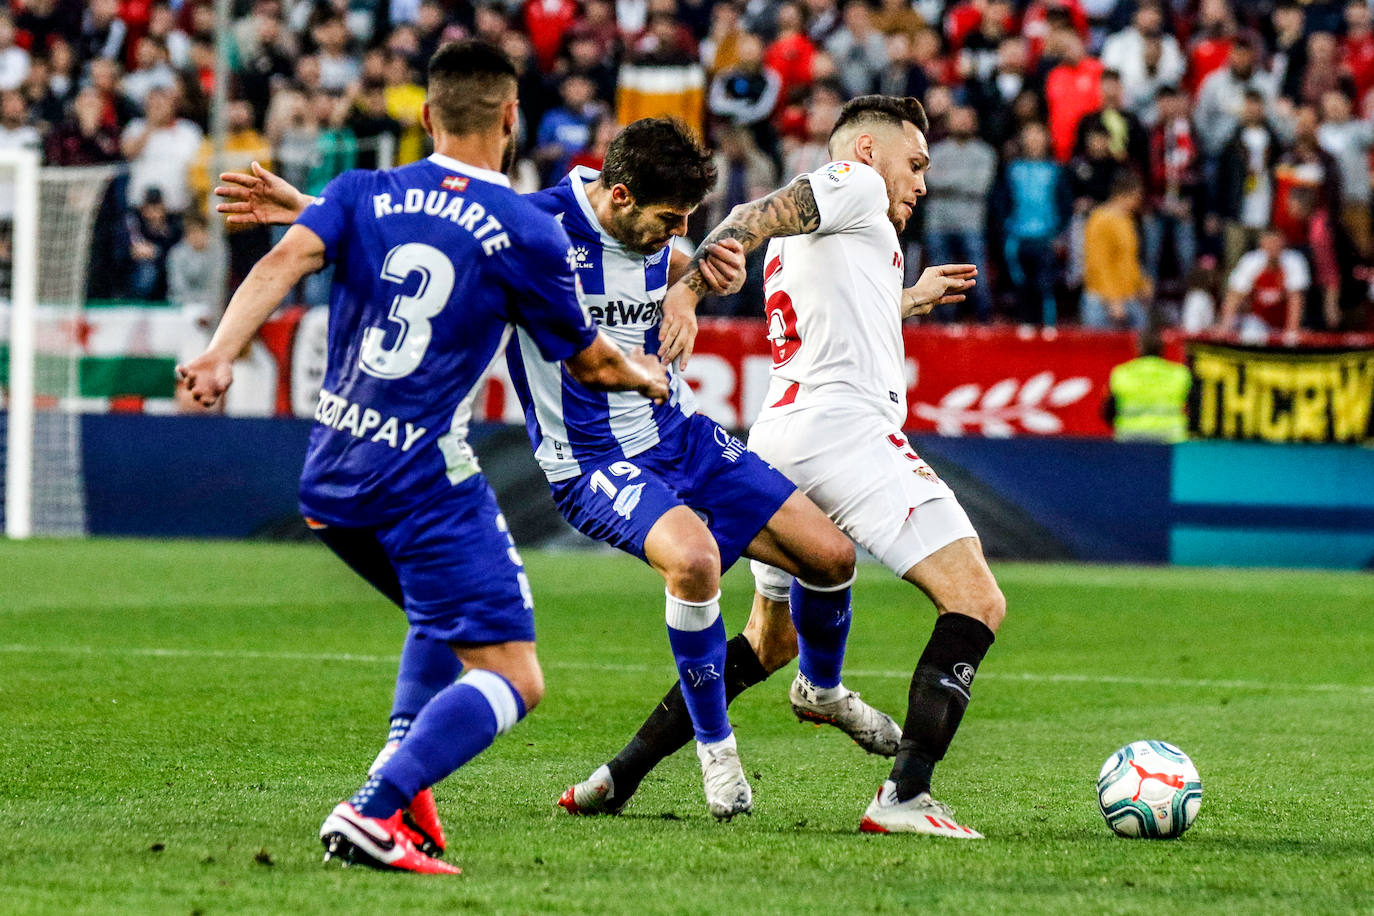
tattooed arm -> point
(788, 211)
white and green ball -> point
(1149, 789)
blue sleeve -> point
(327, 216)
(547, 300)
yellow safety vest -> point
(1151, 399)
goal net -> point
(47, 216)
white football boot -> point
(872, 729)
(921, 814)
(593, 795)
(722, 776)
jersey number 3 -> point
(411, 313)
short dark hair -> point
(661, 162)
(882, 109)
(468, 82)
(1127, 181)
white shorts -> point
(862, 472)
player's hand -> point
(655, 387)
(259, 199)
(723, 267)
(942, 284)
(206, 377)
(677, 334)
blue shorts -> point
(700, 466)
(450, 564)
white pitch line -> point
(666, 668)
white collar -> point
(578, 178)
(453, 165)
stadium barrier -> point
(1198, 503)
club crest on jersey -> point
(454, 183)
(837, 172)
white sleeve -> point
(1246, 272)
(1296, 277)
(848, 195)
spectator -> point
(898, 17)
(822, 110)
(14, 60)
(902, 77)
(594, 156)
(265, 63)
(1288, 63)
(1072, 90)
(546, 22)
(369, 121)
(822, 20)
(567, 129)
(1212, 41)
(1305, 165)
(160, 148)
(151, 71)
(1266, 289)
(83, 138)
(1035, 193)
(1222, 95)
(1125, 137)
(1147, 398)
(103, 33)
(336, 147)
(338, 68)
(152, 233)
(718, 48)
(791, 55)
(45, 106)
(746, 94)
(243, 145)
(993, 95)
(977, 55)
(665, 41)
(65, 72)
(1357, 48)
(1323, 72)
(47, 22)
(962, 170)
(1349, 142)
(859, 49)
(584, 56)
(162, 26)
(1244, 200)
(1115, 289)
(1146, 57)
(104, 76)
(1175, 177)
(405, 99)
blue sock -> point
(428, 665)
(454, 727)
(697, 636)
(822, 621)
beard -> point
(508, 155)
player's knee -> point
(694, 572)
(989, 606)
(529, 683)
(831, 563)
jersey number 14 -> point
(411, 313)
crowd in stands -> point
(1109, 162)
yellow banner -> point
(1282, 395)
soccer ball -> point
(1149, 789)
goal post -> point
(47, 216)
(22, 164)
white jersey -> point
(833, 299)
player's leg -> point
(803, 559)
(681, 548)
(427, 666)
(464, 585)
(970, 608)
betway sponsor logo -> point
(617, 312)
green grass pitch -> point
(179, 717)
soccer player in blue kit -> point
(658, 481)
(435, 263)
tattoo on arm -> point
(788, 211)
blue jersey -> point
(434, 262)
(572, 428)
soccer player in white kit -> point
(832, 421)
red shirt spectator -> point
(1072, 90)
(790, 57)
(1357, 49)
(1035, 25)
(546, 21)
(1206, 55)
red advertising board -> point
(992, 381)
